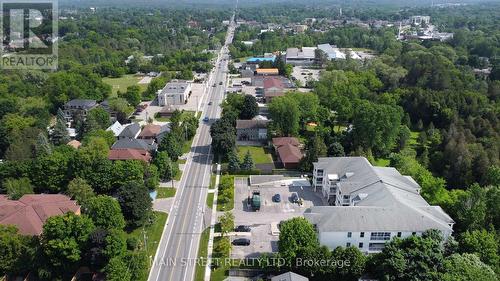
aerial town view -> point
(250, 140)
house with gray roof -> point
(369, 205)
(131, 131)
(251, 130)
(78, 107)
(136, 144)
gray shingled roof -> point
(251, 124)
(130, 131)
(81, 103)
(134, 144)
(386, 200)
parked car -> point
(294, 198)
(241, 242)
(277, 198)
(220, 83)
(242, 228)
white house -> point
(175, 92)
(369, 205)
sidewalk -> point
(213, 220)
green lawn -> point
(153, 233)
(210, 200)
(258, 153)
(212, 181)
(121, 84)
(186, 146)
(166, 192)
(199, 274)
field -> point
(258, 153)
(121, 84)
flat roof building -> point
(175, 92)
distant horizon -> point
(253, 3)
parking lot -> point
(263, 223)
(305, 74)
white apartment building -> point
(369, 205)
(176, 92)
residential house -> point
(131, 131)
(116, 128)
(77, 107)
(30, 212)
(369, 205)
(168, 110)
(137, 144)
(129, 154)
(149, 132)
(251, 130)
(176, 92)
(288, 151)
(273, 87)
(289, 276)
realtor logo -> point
(29, 34)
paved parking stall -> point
(263, 223)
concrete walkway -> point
(213, 220)
(163, 204)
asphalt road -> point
(176, 255)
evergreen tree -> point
(247, 164)
(233, 162)
(60, 134)
(60, 114)
(42, 146)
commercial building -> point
(175, 92)
(301, 57)
(369, 205)
(333, 53)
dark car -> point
(277, 198)
(294, 198)
(220, 83)
(242, 228)
(209, 103)
(206, 119)
(241, 242)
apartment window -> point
(348, 244)
(349, 234)
(380, 236)
(376, 246)
(399, 234)
(360, 245)
(362, 234)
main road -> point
(176, 255)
